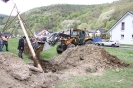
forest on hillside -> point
(65, 16)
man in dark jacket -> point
(21, 46)
(1, 44)
(81, 37)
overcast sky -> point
(25, 5)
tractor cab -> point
(73, 40)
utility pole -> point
(36, 61)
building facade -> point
(123, 29)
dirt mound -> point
(80, 60)
(90, 55)
(15, 73)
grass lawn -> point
(131, 45)
(46, 55)
(122, 78)
(49, 54)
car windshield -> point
(86, 33)
(114, 41)
(107, 41)
(75, 33)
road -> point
(124, 47)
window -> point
(132, 36)
(86, 33)
(75, 33)
(122, 25)
(107, 41)
(132, 23)
(122, 36)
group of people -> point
(4, 42)
(22, 42)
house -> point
(92, 33)
(98, 33)
(122, 30)
(8, 34)
(41, 34)
(101, 32)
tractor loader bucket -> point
(46, 46)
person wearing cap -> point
(5, 42)
(21, 46)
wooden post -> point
(36, 61)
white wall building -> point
(123, 29)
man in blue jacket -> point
(81, 37)
(21, 46)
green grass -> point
(12, 46)
(126, 44)
(49, 54)
(125, 55)
(46, 55)
(122, 78)
(109, 78)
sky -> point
(25, 5)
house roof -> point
(102, 30)
(92, 31)
(127, 13)
(6, 34)
(130, 12)
(41, 33)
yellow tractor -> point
(73, 40)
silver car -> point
(113, 43)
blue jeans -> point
(35, 45)
(1, 47)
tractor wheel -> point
(60, 48)
(89, 42)
(70, 45)
(97, 44)
(102, 44)
(113, 45)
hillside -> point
(2, 16)
(64, 16)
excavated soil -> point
(15, 73)
(80, 60)
(90, 55)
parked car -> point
(52, 38)
(112, 43)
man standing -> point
(1, 44)
(81, 37)
(5, 42)
(21, 46)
